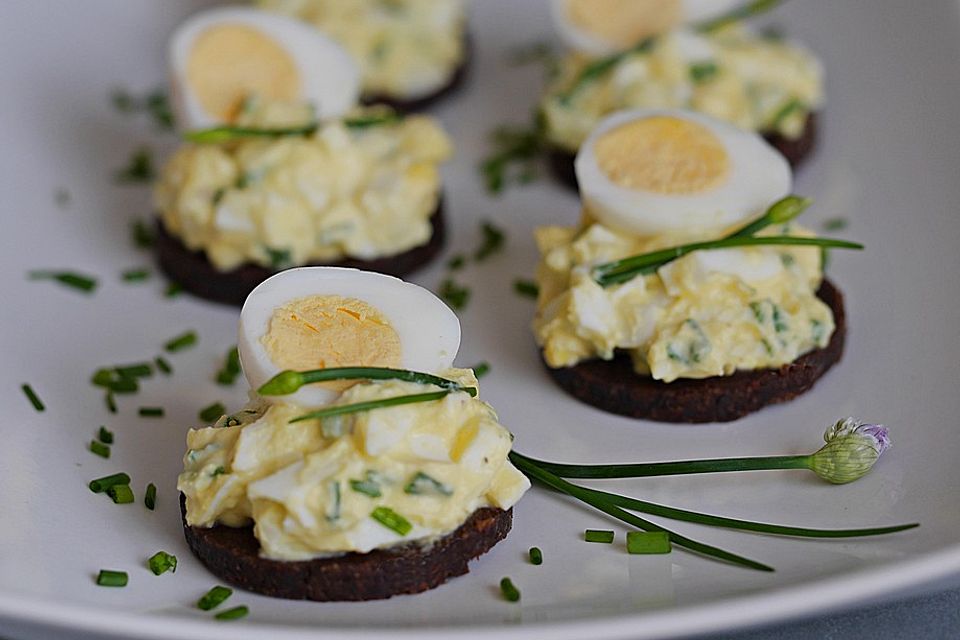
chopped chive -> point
(603, 66)
(102, 484)
(835, 224)
(108, 578)
(120, 493)
(701, 72)
(181, 342)
(150, 412)
(214, 598)
(536, 556)
(357, 407)
(139, 168)
(378, 120)
(211, 413)
(143, 234)
(71, 279)
(219, 471)
(217, 135)
(233, 614)
(163, 365)
(138, 370)
(509, 591)
(118, 380)
(32, 397)
(135, 275)
(104, 435)
(457, 262)
(231, 368)
(111, 402)
(392, 520)
(162, 562)
(530, 53)
(598, 535)
(173, 290)
(150, 497)
(742, 12)
(526, 288)
(367, 487)
(422, 484)
(515, 156)
(648, 542)
(481, 369)
(792, 106)
(454, 294)
(99, 449)
(492, 242)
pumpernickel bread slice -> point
(795, 151)
(612, 385)
(233, 555)
(192, 270)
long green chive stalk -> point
(749, 10)
(603, 66)
(626, 269)
(357, 407)
(216, 135)
(289, 381)
(376, 120)
(585, 495)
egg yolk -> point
(664, 155)
(230, 62)
(319, 332)
(624, 23)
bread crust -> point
(196, 274)
(613, 386)
(796, 151)
(233, 555)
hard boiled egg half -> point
(648, 172)
(221, 57)
(601, 27)
(323, 317)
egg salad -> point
(405, 48)
(362, 186)
(355, 478)
(757, 83)
(652, 180)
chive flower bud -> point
(787, 209)
(851, 450)
(283, 383)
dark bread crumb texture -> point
(612, 385)
(412, 105)
(196, 274)
(795, 151)
(232, 555)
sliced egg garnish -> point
(222, 57)
(323, 317)
(649, 172)
(601, 27)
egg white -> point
(428, 330)
(758, 177)
(330, 79)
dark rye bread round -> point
(233, 555)
(192, 270)
(612, 385)
(795, 151)
(411, 105)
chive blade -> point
(233, 614)
(603, 536)
(111, 402)
(344, 409)
(682, 467)
(647, 542)
(109, 578)
(369, 121)
(181, 342)
(74, 280)
(163, 365)
(214, 598)
(748, 10)
(100, 449)
(218, 135)
(150, 412)
(392, 520)
(33, 397)
(135, 275)
(139, 370)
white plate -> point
(887, 161)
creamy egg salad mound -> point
(754, 82)
(361, 192)
(405, 48)
(688, 178)
(314, 486)
(310, 487)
